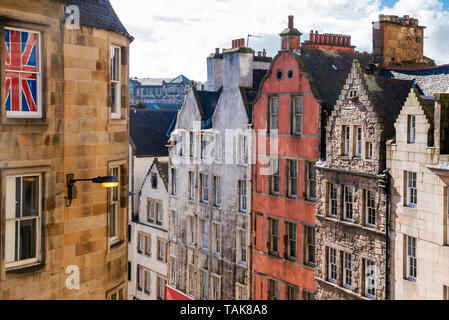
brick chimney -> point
(290, 37)
(329, 41)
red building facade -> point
(286, 114)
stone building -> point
(67, 115)
(149, 133)
(149, 237)
(209, 181)
(418, 160)
(158, 90)
(352, 220)
(399, 41)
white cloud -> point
(175, 36)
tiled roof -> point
(329, 71)
(430, 79)
(99, 14)
(150, 131)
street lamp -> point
(106, 182)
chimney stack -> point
(290, 22)
(264, 53)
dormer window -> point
(353, 94)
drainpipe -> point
(384, 182)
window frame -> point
(367, 277)
(411, 129)
(215, 287)
(116, 106)
(370, 209)
(348, 206)
(297, 117)
(217, 238)
(333, 202)
(173, 181)
(243, 196)
(272, 115)
(310, 181)
(347, 270)
(39, 87)
(332, 270)
(346, 140)
(114, 238)
(39, 220)
(273, 239)
(192, 183)
(411, 191)
(276, 176)
(308, 246)
(411, 258)
(292, 181)
(217, 191)
(358, 139)
(204, 223)
(147, 246)
(204, 188)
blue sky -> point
(174, 37)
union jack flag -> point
(21, 64)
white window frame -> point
(358, 136)
(217, 238)
(273, 115)
(39, 93)
(11, 219)
(204, 234)
(347, 270)
(216, 287)
(370, 279)
(192, 185)
(217, 186)
(411, 266)
(411, 129)
(114, 238)
(204, 285)
(243, 200)
(147, 280)
(292, 176)
(297, 115)
(348, 203)
(204, 143)
(173, 222)
(140, 243)
(346, 136)
(191, 220)
(332, 265)
(204, 188)
(192, 144)
(412, 189)
(116, 105)
(369, 150)
(333, 200)
(242, 256)
(370, 206)
(276, 176)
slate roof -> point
(150, 131)
(207, 102)
(99, 14)
(159, 81)
(329, 71)
(388, 96)
(162, 106)
(250, 95)
(430, 79)
(180, 79)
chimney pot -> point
(290, 22)
(242, 43)
(217, 50)
(264, 53)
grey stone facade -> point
(158, 90)
(351, 168)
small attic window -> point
(154, 180)
(290, 74)
(353, 94)
(279, 75)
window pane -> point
(113, 222)
(28, 239)
(30, 201)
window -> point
(274, 112)
(192, 144)
(190, 278)
(347, 270)
(203, 146)
(332, 265)
(154, 180)
(182, 140)
(370, 209)
(310, 245)
(411, 129)
(161, 288)
(311, 181)
(333, 200)
(205, 234)
(292, 293)
(306, 295)
(292, 178)
(204, 191)
(172, 226)
(243, 149)
(412, 191)
(345, 140)
(139, 278)
(273, 290)
(241, 292)
(445, 292)
(290, 238)
(161, 252)
(217, 239)
(115, 82)
(411, 258)
(117, 295)
(348, 196)
(370, 279)
(23, 219)
(148, 245)
(114, 208)
(192, 229)
(147, 282)
(216, 287)
(369, 150)
(275, 178)
(173, 181)
(172, 270)
(218, 147)
(203, 278)
(129, 270)
(446, 224)
(22, 74)
(141, 243)
(297, 115)
(358, 141)
(217, 185)
(129, 233)
(242, 197)
(273, 236)
(151, 210)
(243, 248)
(159, 214)
(192, 185)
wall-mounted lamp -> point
(106, 182)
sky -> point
(174, 37)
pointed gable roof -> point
(162, 168)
